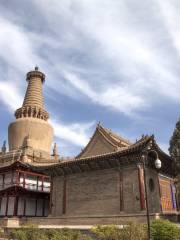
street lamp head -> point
(158, 163)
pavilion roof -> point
(109, 141)
(123, 156)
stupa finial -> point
(36, 68)
(33, 104)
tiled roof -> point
(112, 136)
(114, 140)
(138, 146)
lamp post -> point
(157, 164)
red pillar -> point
(24, 180)
(141, 188)
(121, 190)
(16, 205)
(64, 195)
(18, 178)
(42, 183)
(51, 192)
(36, 206)
(43, 213)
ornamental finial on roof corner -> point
(99, 124)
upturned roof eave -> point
(129, 150)
(107, 136)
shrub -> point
(131, 231)
(34, 233)
(134, 231)
(63, 234)
(109, 232)
(2, 234)
(164, 230)
(18, 234)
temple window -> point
(31, 182)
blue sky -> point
(112, 61)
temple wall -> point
(131, 194)
(94, 192)
(153, 192)
(57, 196)
(100, 193)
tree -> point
(174, 148)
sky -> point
(117, 62)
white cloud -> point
(122, 55)
(10, 96)
(16, 48)
(169, 11)
(76, 133)
(125, 41)
(115, 97)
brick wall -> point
(57, 196)
(131, 190)
(102, 192)
(153, 195)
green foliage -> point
(109, 232)
(174, 148)
(63, 234)
(134, 231)
(160, 230)
(2, 234)
(18, 234)
(131, 231)
(34, 233)
(164, 230)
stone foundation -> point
(80, 222)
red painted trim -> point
(34, 174)
(42, 179)
(121, 190)
(24, 179)
(18, 178)
(160, 194)
(64, 195)
(141, 188)
(43, 212)
(16, 205)
(51, 193)
(36, 207)
(37, 182)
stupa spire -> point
(31, 130)
(33, 104)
